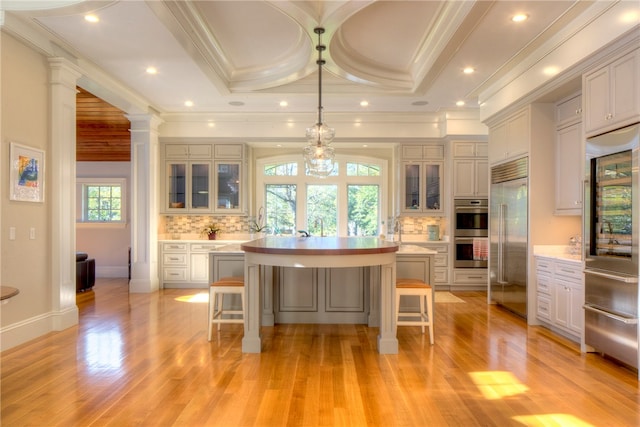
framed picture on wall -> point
(26, 173)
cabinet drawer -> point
(174, 247)
(204, 247)
(461, 276)
(174, 259)
(440, 275)
(544, 265)
(440, 260)
(543, 310)
(544, 284)
(569, 271)
(174, 274)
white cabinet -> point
(569, 170)
(509, 139)
(612, 95)
(185, 264)
(440, 263)
(422, 179)
(560, 295)
(203, 178)
(470, 169)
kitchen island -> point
(320, 252)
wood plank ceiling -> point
(102, 130)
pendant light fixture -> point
(318, 154)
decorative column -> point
(144, 202)
(61, 191)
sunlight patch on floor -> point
(195, 298)
(497, 384)
(551, 420)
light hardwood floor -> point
(144, 360)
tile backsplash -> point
(194, 224)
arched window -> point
(350, 202)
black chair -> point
(85, 272)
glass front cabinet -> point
(203, 178)
(188, 186)
(422, 187)
(228, 186)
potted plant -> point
(211, 230)
(258, 226)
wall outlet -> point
(32, 233)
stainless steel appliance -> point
(471, 229)
(611, 244)
(508, 237)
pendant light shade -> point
(318, 154)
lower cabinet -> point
(560, 296)
(185, 264)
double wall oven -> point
(471, 224)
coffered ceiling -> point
(251, 56)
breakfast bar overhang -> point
(320, 252)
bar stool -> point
(217, 291)
(415, 287)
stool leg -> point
(430, 312)
(422, 312)
(211, 311)
(221, 302)
(397, 306)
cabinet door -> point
(625, 89)
(199, 267)
(518, 134)
(569, 111)
(482, 178)
(176, 187)
(228, 186)
(597, 111)
(411, 186)
(464, 177)
(433, 187)
(569, 170)
(464, 149)
(200, 186)
(561, 306)
(576, 312)
(497, 142)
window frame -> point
(341, 180)
(81, 213)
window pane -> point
(281, 169)
(322, 209)
(334, 172)
(362, 169)
(281, 208)
(103, 203)
(363, 201)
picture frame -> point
(26, 172)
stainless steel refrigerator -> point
(508, 235)
(611, 238)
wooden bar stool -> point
(415, 287)
(217, 291)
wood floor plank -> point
(144, 360)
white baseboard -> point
(112, 272)
(35, 327)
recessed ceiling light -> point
(211, 124)
(364, 103)
(519, 17)
(419, 103)
(91, 18)
(460, 103)
(469, 70)
(152, 70)
(188, 103)
(284, 103)
(236, 103)
(551, 70)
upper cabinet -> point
(422, 183)
(196, 181)
(612, 95)
(470, 169)
(509, 139)
(569, 156)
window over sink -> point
(350, 202)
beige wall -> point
(24, 263)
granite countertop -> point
(559, 252)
